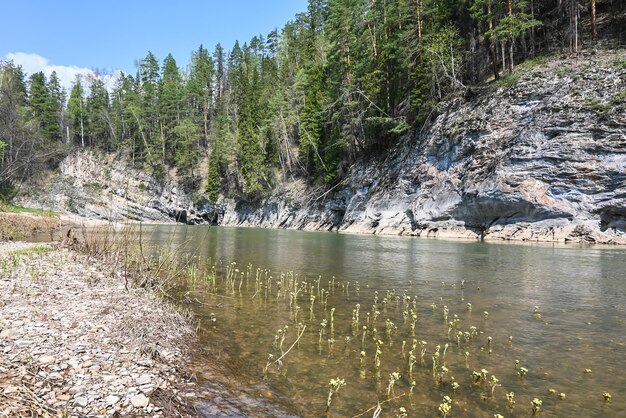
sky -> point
(79, 36)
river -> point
(559, 310)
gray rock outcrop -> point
(96, 185)
(544, 160)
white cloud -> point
(32, 63)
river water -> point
(558, 310)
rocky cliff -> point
(542, 160)
(540, 156)
(99, 186)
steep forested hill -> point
(366, 92)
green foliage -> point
(77, 111)
(213, 177)
(508, 81)
(44, 107)
(170, 109)
(5, 207)
(619, 63)
(619, 99)
(187, 157)
(345, 79)
(7, 192)
(515, 25)
(98, 116)
(381, 132)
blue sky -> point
(77, 35)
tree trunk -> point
(492, 46)
(162, 139)
(419, 21)
(594, 32)
(82, 128)
(205, 117)
(511, 41)
(82, 132)
(573, 21)
(532, 30)
(576, 26)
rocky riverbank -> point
(74, 342)
(538, 156)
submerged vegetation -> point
(389, 352)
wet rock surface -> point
(74, 342)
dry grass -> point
(129, 252)
(16, 226)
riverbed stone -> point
(139, 401)
(81, 401)
(144, 379)
(77, 389)
(46, 359)
(72, 329)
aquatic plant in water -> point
(445, 407)
(335, 385)
(393, 378)
(510, 399)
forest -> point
(343, 80)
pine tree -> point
(77, 111)
(170, 107)
(43, 107)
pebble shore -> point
(74, 342)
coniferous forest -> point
(345, 79)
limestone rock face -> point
(541, 160)
(544, 160)
(101, 186)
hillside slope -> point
(544, 160)
(540, 157)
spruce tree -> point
(77, 111)
(43, 107)
(170, 108)
(58, 96)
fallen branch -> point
(378, 406)
(292, 345)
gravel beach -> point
(74, 342)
